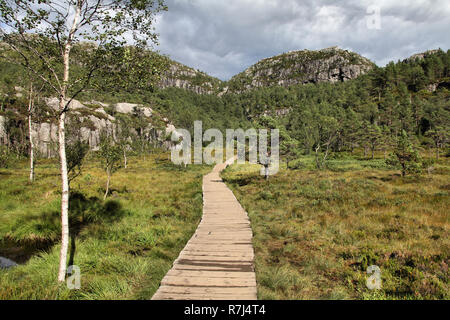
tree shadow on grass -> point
(243, 179)
(84, 211)
(170, 166)
(39, 233)
(20, 251)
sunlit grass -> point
(316, 232)
(124, 246)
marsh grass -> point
(316, 232)
(123, 246)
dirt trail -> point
(217, 262)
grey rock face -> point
(187, 85)
(6, 263)
(181, 76)
(45, 135)
(129, 108)
(302, 67)
(422, 55)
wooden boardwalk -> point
(217, 262)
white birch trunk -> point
(64, 198)
(30, 111)
(107, 184)
(31, 151)
(62, 151)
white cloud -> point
(222, 38)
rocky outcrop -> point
(292, 68)
(421, 55)
(129, 108)
(181, 76)
(94, 119)
(418, 58)
(302, 67)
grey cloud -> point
(223, 38)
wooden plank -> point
(216, 258)
(211, 274)
(229, 242)
(219, 233)
(211, 253)
(207, 282)
(212, 262)
(219, 247)
(217, 267)
(208, 290)
(226, 244)
(190, 296)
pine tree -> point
(373, 136)
(405, 156)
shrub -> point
(110, 155)
(4, 157)
(296, 164)
(405, 156)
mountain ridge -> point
(300, 66)
(331, 64)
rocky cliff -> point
(301, 67)
(181, 76)
(295, 67)
(94, 117)
(421, 55)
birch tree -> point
(326, 131)
(124, 137)
(30, 129)
(110, 154)
(42, 34)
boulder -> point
(54, 104)
(128, 108)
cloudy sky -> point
(224, 37)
